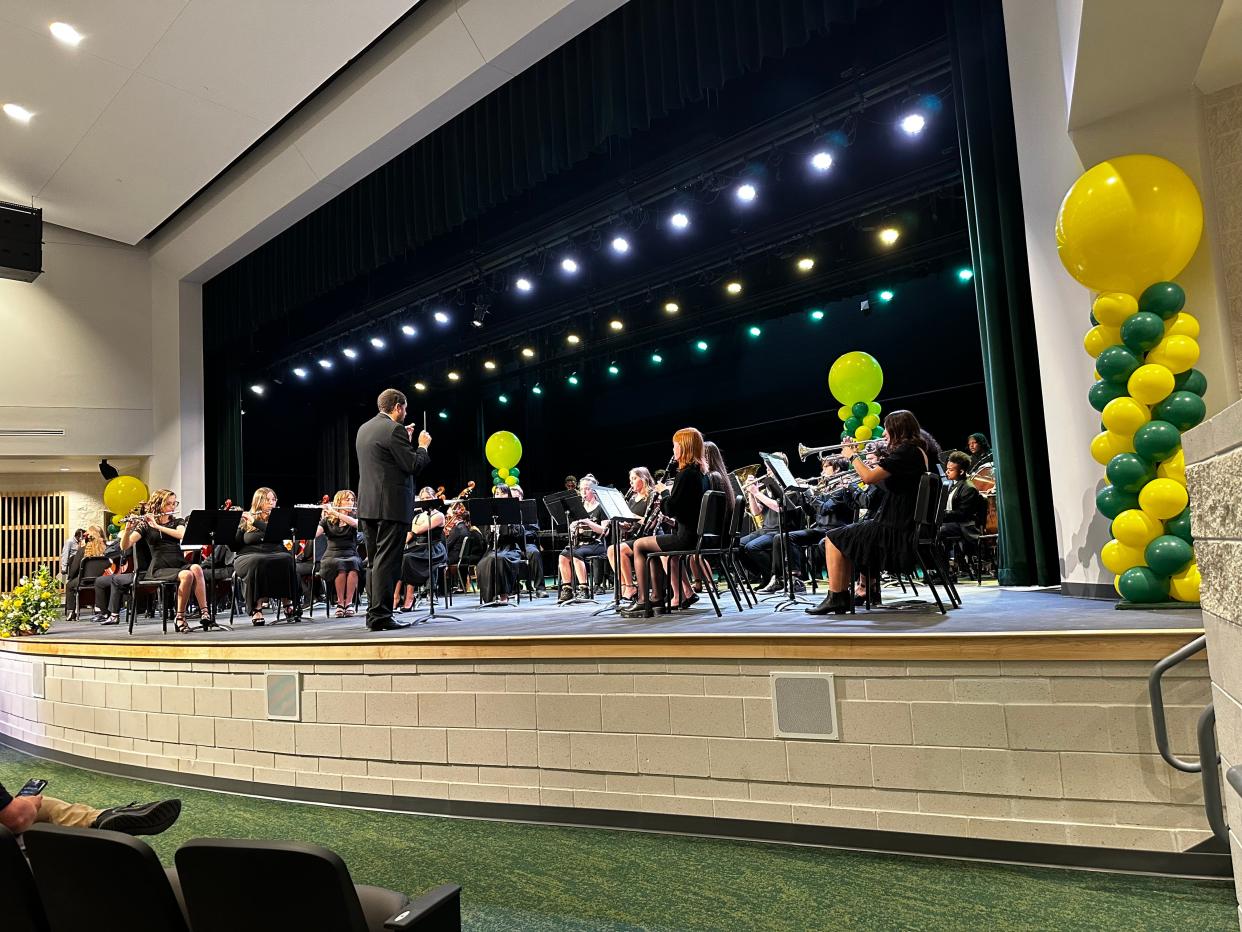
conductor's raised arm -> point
(409, 458)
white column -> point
(177, 461)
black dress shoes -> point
(388, 624)
(837, 603)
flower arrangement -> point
(32, 606)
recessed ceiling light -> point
(66, 33)
(18, 113)
(64, 469)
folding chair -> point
(23, 910)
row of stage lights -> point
(911, 123)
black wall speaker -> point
(21, 242)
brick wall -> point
(1043, 751)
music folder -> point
(614, 504)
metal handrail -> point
(1212, 803)
(1159, 725)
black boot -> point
(836, 603)
(566, 594)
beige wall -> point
(1044, 751)
(1222, 120)
(83, 493)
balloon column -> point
(1126, 228)
(504, 450)
(122, 494)
(854, 380)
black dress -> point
(414, 563)
(342, 553)
(589, 543)
(885, 539)
(500, 570)
(267, 571)
(165, 551)
(682, 505)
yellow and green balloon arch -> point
(1126, 229)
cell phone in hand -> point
(33, 788)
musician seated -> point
(834, 505)
(341, 565)
(639, 499)
(587, 535)
(980, 451)
(86, 565)
(424, 552)
(530, 547)
(265, 569)
(762, 553)
(464, 544)
(965, 510)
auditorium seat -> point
(22, 908)
(102, 881)
(300, 887)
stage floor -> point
(985, 610)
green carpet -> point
(517, 877)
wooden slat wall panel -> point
(32, 531)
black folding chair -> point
(165, 588)
(102, 881)
(300, 887)
(23, 910)
(928, 512)
(730, 555)
(709, 541)
(89, 569)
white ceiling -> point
(9, 465)
(159, 97)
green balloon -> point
(1179, 526)
(852, 424)
(1181, 409)
(860, 410)
(1116, 364)
(1129, 472)
(514, 471)
(1168, 554)
(1163, 298)
(1140, 584)
(1142, 331)
(1102, 393)
(1111, 502)
(1157, 440)
(1192, 380)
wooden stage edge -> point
(1127, 644)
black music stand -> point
(429, 505)
(783, 479)
(617, 511)
(211, 529)
(530, 519)
(566, 507)
(292, 524)
(498, 513)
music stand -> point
(292, 524)
(530, 519)
(210, 529)
(567, 507)
(499, 513)
(429, 505)
(783, 479)
(617, 511)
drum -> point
(984, 479)
(992, 524)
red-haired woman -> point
(682, 505)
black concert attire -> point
(533, 574)
(265, 570)
(110, 588)
(83, 571)
(885, 539)
(387, 465)
(836, 509)
(965, 511)
(984, 455)
(167, 561)
(414, 563)
(502, 567)
(761, 550)
(683, 505)
(590, 544)
(341, 555)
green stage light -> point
(886, 296)
(656, 359)
(443, 414)
(965, 275)
(701, 346)
(817, 314)
(503, 399)
(573, 379)
(614, 370)
(537, 390)
(755, 331)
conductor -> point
(388, 461)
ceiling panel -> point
(120, 31)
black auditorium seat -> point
(298, 887)
(22, 908)
(102, 881)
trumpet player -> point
(761, 552)
(161, 530)
(341, 565)
(834, 504)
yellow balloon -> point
(1117, 585)
(1128, 222)
(1173, 468)
(1113, 308)
(1107, 444)
(855, 376)
(503, 449)
(1124, 416)
(1151, 382)
(844, 412)
(1176, 351)
(1100, 338)
(1184, 586)
(510, 480)
(1117, 557)
(122, 494)
(863, 433)
(1182, 324)
(871, 421)
(1163, 499)
(1136, 528)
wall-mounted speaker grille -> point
(284, 695)
(804, 705)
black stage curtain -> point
(334, 444)
(643, 61)
(1028, 551)
(223, 408)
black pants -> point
(385, 547)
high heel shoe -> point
(836, 603)
(179, 622)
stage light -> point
(616, 325)
(889, 235)
(258, 388)
(679, 220)
(523, 284)
(912, 123)
(656, 359)
(965, 275)
(537, 389)
(734, 287)
(755, 332)
(454, 376)
(489, 365)
(325, 363)
(805, 264)
(817, 314)
(503, 399)
(573, 339)
(441, 317)
(300, 372)
(378, 343)
(476, 321)
(614, 369)
(746, 192)
(671, 307)
(701, 346)
(409, 330)
(443, 414)
(349, 353)
(886, 296)
(18, 113)
(569, 266)
(528, 352)
(573, 379)
(821, 161)
(65, 33)
(420, 386)
(620, 245)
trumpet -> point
(804, 451)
